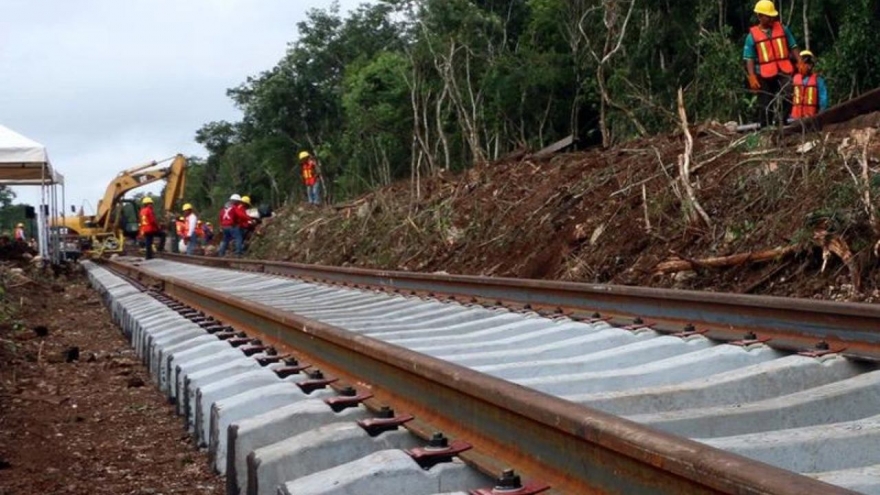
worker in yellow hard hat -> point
(148, 227)
(190, 235)
(771, 55)
(310, 177)
(246, 200)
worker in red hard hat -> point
(771, 55)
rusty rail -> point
(792, 324)
(572, 447)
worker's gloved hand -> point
(754, 83)
(802, 67)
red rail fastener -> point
(750, 339)
(509, 483)
(316, 381)
(385, 421)
(291, 367)
(822, 349)
(348, 397)
(438, 450)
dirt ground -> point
(616, 216)
(89, 425)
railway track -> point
(583, 389)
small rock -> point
(92, 358)
(71, 354)
(41, 330)
(135, 381)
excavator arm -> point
(135, 177)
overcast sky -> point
(109, 84)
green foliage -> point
(402, 88)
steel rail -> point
(574, 448)
(852, 329)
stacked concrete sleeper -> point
(263, 432)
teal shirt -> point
(749, 51)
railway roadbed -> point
(78, 414)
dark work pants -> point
(774, 100)
(148, 245)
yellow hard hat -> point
(147, 200)
(766, 7)
(303, 155)
(246, 200)
(187, 207)
(180, 219)
(20, 225)
(807, 53)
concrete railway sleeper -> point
(526, 390)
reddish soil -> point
(92, 425)
(612, 216)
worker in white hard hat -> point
(771, 55)
(232, 218)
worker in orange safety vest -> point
(810, 93)
(769, 52)
(310, 177)
(148, 227)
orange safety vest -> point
(308, 172)
(772, 51)
(806, 97)
(19, 234)
(180, 227)
(200, 230)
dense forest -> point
(404, 88)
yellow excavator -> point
(116, 217)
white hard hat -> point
(235, 197)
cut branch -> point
(679, 265)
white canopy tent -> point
(24, 162)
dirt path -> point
(92, 425)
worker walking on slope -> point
(19, 233)
(148, 225)
(769, 51)
(232, 218)
(310, 177)
(810, 94)
(191, 235)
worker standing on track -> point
(19, 233)
(810, 94)
(191, 237)
(148, 225)
(769, 51)
(232, 217)
(310, 177)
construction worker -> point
(19, 233)
(810, 94)
(208, 230)
(310, 177)
(180, 233)
(148, 227)
(232, 217)
(190, 237)
(769, 51)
